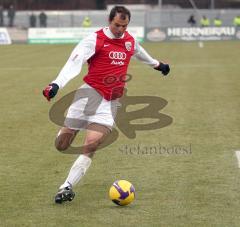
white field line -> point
(238, 157)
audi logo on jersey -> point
(117, 55)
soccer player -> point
(108, 53)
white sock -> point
(77, 171)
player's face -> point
(118, 26)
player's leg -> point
(79, 115)
(95, 135)
(65, 138)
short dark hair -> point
(119, 9)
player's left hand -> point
(164, 68)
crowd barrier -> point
(155, 34)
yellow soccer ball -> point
(122, 192)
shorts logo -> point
(117, 55)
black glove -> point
(164, 68)
(50, 91)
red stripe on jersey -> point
(107, 68)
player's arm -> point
(81, 53)
(144, 57)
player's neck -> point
(109, 34)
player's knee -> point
(92, 145)
(63, 141)
(61, 145)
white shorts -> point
(88, 107)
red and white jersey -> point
(108, 59)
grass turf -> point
(198, 188)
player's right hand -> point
(50, 91)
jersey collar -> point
(109, 34)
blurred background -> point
(102, 4)
(20, 15)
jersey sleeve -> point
(143, 56)
(81, 53)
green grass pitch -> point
(196, 188)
